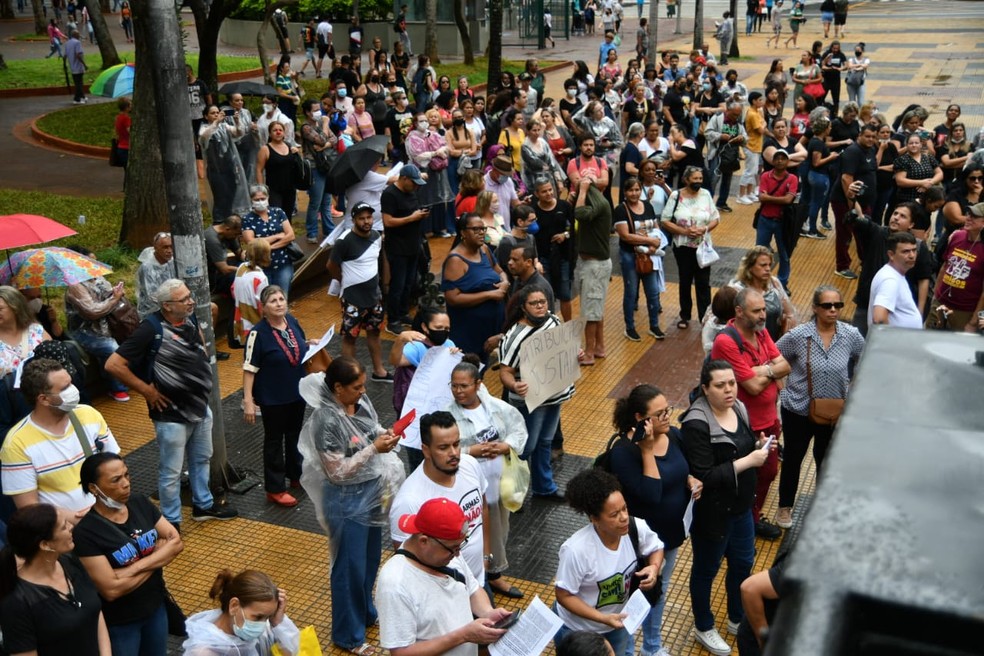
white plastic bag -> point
(514, 482)
(706, 255)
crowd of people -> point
(539, 195)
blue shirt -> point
(277, 377)
(269, 228)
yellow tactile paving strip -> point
(298, 561)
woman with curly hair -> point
(595, 562)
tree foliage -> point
(369, 10)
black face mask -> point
(438, 337)
(457, 122)
(536, 322)
(695, 186)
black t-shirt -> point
(860, 163)
(395, 120)
(570, 107)
(405, 239)
(818, 146)
(837, 60)
(636, 112)
(706, 103)
(622, 214)
(181, 371)
(746, 636)
(39, 618)
(839, 131)
(630, 153)
(122, 545)
(873, 237)
(552, 222)
(673, 103)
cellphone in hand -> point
(508, 621)
(229, 111)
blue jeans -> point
(819, 184)
(174, 439)
(738, 545)
(453, 180)
(319, 201)
(100, 348)
(619, 639)
(749, 23)
(653, 624)
(281, 277)
(541, 424)
(145, 638)
(356, 552)
(630, 291)
(403, 270)
(767, 229)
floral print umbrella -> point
(52, 266)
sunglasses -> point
(975, 178)
(830, 306)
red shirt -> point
(962, 276)
(772, 186)
(762, 406)
(122, 127)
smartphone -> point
(229, 111)
(640, 431)
(768, 442)
(507, 622)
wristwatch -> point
(487, 558)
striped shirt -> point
(830, 366)
(509, 350)
(35, 459)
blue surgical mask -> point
(250, 630)
(533, 228)
(342, 93)
(707, 86)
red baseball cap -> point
(438, 518)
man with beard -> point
(445, 472)
(758, 366)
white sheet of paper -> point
(530, 635)
(637, 608)
(323, 342)
(688, 517)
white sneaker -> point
(784, 518)
(744, 200)
(733, 627)
(663, 651)
(712, 641)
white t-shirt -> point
(369, 190)
(597, 575)
(415, 605)
(477, 128)
(646, 149)
(468, 491)
(324, 30)
(890, 290)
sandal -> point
(682, 324)
(365, 650)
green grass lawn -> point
(30, 37)
(100, 232)
(33, 73)
(87, 124)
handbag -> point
(855, 78)
(294, 251)
(728, 158)
(303, 172)
(123, 320)
(324, 159)
(706, 255)
(823, 412)
(643, 262)
(655, 593)
(815, 89)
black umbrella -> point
(356, 161)
(247, 88)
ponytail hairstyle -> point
(626, 409)
(248, 587)
(27, 528)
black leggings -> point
(281, 430)
(692, 275)
(797, 431)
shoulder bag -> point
(655, 593)
(823, 412)
(643, 262)
(123, 320)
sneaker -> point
(846, 273)
(733, 627)
(724, 208)
(312, 240)
(712, 641)
(657, 333)
(122, 397)
(766, 529)
(815, 235)
(215, 512)
(826, 225)
(282, 499)
(394, 327)
(632, 335)
(385, 378)
(745, 200)
(784, 518)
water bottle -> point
(81, 219)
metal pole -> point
(679, 15)
(181, 189)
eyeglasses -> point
(477, 228)
(539, 303)
(664, 413)
(457, 549)
(460, 387)
(181, 300)
(830, 306)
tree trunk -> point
(208, 22)
(103, 37)
(104, 5)
(261, 37)
(459, 20)
(40, 24)
(494, 49)
(733, 51)
(181, 188)
(698, 23)
(653, 30)
(144, 203)
(7, 9)
(3, 64)
(430, 33)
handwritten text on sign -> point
(548, 362)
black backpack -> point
(728, 158)
(604, 459)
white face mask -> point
(110, 503)
(571, 93)
(423, 125)
(70, 397)
(268, 108)
(35, 305)
(316, 115)
(261, 205)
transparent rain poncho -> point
(346, 478)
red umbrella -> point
(18, 230)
